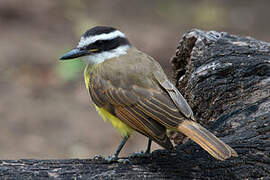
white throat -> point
(101, 57)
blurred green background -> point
(45, 110)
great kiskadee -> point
(130, 89)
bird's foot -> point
(140, 154)
(111, 159)
(124, 160)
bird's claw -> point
(139, 154)
(111, 159)
(124, 161)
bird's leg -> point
(121, 145)
(148, 149)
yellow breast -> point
(122, 128)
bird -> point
(130, 90)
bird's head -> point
(99, 44)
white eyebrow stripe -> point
(89, 40)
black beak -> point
(74, 53)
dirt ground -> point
(45, 111)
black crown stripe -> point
(98, 30)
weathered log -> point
(226, 80)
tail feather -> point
(206, 140)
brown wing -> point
(174, 94)
(143, 124)
(148, 111)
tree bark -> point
(226, 80)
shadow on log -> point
(226, 80)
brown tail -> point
(206, 140)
